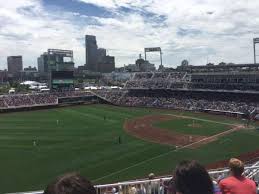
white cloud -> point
(194, 29)
(31, 35)
(118, 3)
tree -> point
(185, 62)
(222, 63)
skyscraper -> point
(91, 54)
(14, 64)
(106, 65)
(43, 63)
(96, 59)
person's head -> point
(151, 176)
(71, 183)
(236, 166)
(192, 178)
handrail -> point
(137, 182)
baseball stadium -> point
(117, 137)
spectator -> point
(153, 186)
(71, 183)
(151, 176)
(169, 186)
(216, 188)
(236, 183)
(192, 178)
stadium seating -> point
(37, 99)
(180, 100)
(156, 80)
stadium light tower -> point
(255, 41)
(154, 49)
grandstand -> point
(229, 80)
(19, 101)
(157, 80)
(224, 102)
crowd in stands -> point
(111, 95)
(2, 103)
(25, 100)
(224, 86)
(37, 99)
(184, 80)
(183, 100)
(189, 104)
(44, 99)
(18, 100)
(156, 80)
(189, 177)
(66, 94)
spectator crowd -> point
(184, 80)
(37, 99)
(157, 80)
(183, 100)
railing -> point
(155, 185)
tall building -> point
(101, 52)
(43, 63)
(14, 64)
(96, 59)
(106, 65)
(59, 66)
(3, 76)
(91, 53)
(60, 60)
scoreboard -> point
(153, 49)
(62, 80)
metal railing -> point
(157, 186)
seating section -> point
(44, 99)
(182, 100)
(37, 99)
(2, 103)
(18, 100)
(156, 80)
(72, 94)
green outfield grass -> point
(80, 139)
(193, 126)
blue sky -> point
(196, 30)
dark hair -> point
(192, 178)
(71, 183)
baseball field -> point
(111, 144)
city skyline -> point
(195, 30)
